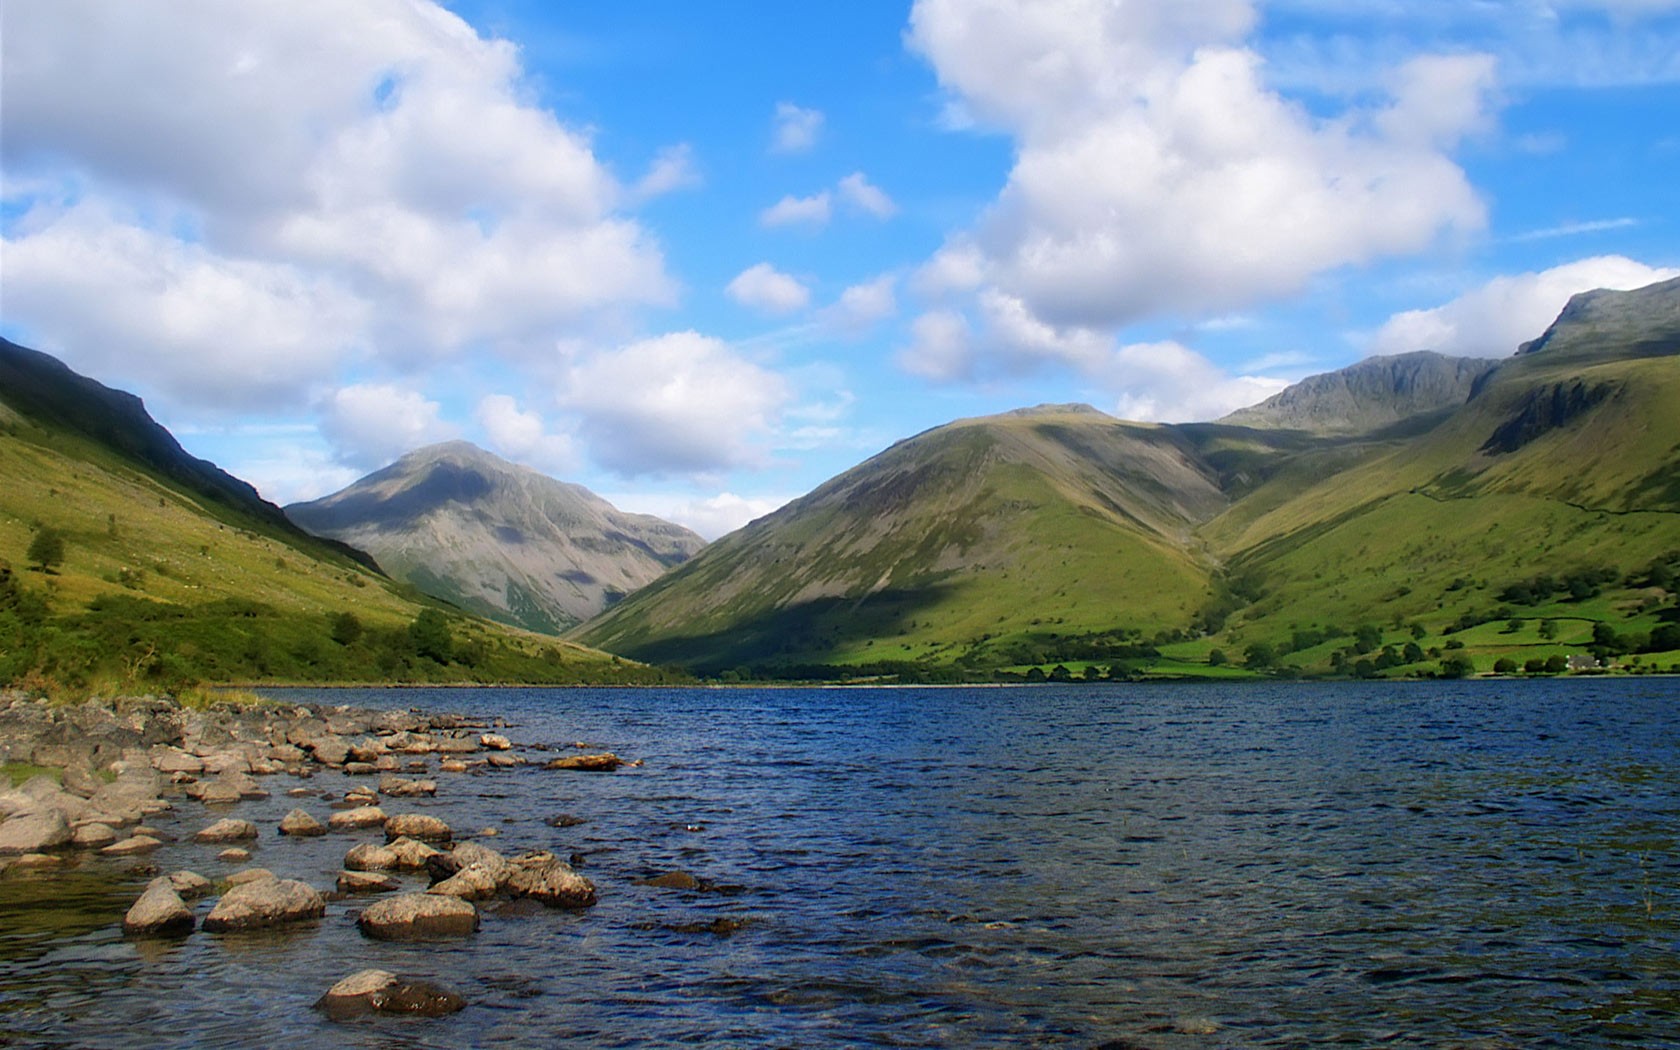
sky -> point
(702, 257)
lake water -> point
(1471, 864)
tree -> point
(1548, 629)
(346, 627)
(1557, 663)
(1457, 667)
(47, 549)
(1259, 655)
(1504, 665)
(1216, 657)
(430, 636)
(1413, 653)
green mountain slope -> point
(1430, 499)
(976, 543)
(498, 539)
(173, 571)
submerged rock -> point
(379, 991)
(265, 902)
(605, 762)
(418, 916)
(160, 911)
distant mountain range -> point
(498, 539)
(1400, 491)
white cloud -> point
(1493, 320)
(372, 424)
(863, 306)
(795, 129)
(791, 211)
(523, 436)
(677, 403)
(1576, 229)
(765, 288)
(1156, 172)
(941, 347)
(375, 164)
(293, 473)
(856, 189)
(1170, 383)
(711, 516)
(673, 169)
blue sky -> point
(700, 258)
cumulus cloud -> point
(1156, 172)
(375, 164)
(810, 211)
(1170, 383)
(372, 424)
(710, 516)
(1493, 320)
(677, 403)
(795, 129)
(523, 436)
(765, 288)
(863, 306)
(673, 169)
(856, 190)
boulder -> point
(400, 787)
(34, 830)
(417, 826)
(366, 882)
(189, 884)
(160, 911)
(329, 750)
(234, 855)
(452, 765)
(265, 902)
(412, 854)
(93, 834)
(227, 829)
(475, 882)
(605, 762)
(297, 822)
(418, 916)
(215, 793)
(466, 853)
(368, 857)
(498, 760)
(360, 817)
(494, 742)
(36, 862)
(544, 877)
(379, 991)
(131, 845)
(240, 878)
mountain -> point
(498, 539)
(954, 545)
(173, 571)
(1423, 499)
(1375, 393)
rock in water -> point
(605, 762)
(131, 845)
(297, 822)
(32, 831)
(366, 882)
(265, 902)
(360, 817)
(160, 911)
(417, 826)
(227, 830)
(475, 882)
(544, 877)
(418, 916)
(368, 857)
(378, 991)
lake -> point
(1475, 864)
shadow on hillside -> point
(809, 633)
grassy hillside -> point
(165, 580)
(981, 543)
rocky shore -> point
(109, 768)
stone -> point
(360, 817)
(399, 787)
(299, 823)
(498, 760)
(565, 820)
(366, 882)
(160, 911)
(368, 857)
(452, 765)
(216, 793)
(36, 862)
(417, 826)
(302, 792)
(412, 854)
(475, 882)
(189, 884)
(167, 759)
(234, 855)
(227, 829)
(34, 831)
(263, 903)
(418, 916)
(329, 750)
(494, 742)
(605, 762)
(93, 835)
(466, 853)
(240, 878)
(379, 991)
(545, 878)
(672, 880)
(130, 846)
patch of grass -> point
(15, 773)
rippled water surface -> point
(1434, 865)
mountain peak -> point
(1372, 394)
(1606, 323)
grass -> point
(16, 773)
